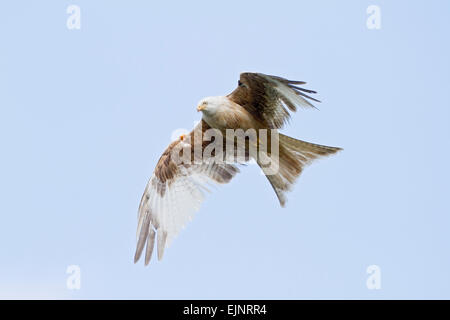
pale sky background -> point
(85, 115)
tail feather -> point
(294, 155)
(316, 150)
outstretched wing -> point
(268, 98)
(174, 193)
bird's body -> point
(176, 189)
(222, 113)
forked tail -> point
(294, 155)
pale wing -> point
(172, 196)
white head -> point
(210, 105)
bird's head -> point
(210, 105)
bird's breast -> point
(229, 116)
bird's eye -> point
(240, 83)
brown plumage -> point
(184, 172)
(258, 94)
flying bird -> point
(176, 189)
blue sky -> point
(85, 115)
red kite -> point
(176, 189)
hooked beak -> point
(200, 108)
